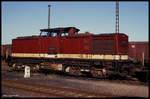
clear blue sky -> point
(27, 18)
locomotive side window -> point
(54, 34)
(64, 34)
(58, 32)
(44, 34)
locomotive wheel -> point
(71, 70)
(78, 71)
(11, 66)
(35, 68)
(14, 67)
(75, 71)
(97, 73)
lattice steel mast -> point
(49, 16)
(117, 17)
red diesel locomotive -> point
(98, 54)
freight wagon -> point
(5, 51)
(139, 51)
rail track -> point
(112, 78)
(141, 77)
(16, 86)
(48, 91)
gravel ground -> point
(102, 87)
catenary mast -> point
(117, 17)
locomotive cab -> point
(54, 32)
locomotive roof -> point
(109, 34)
(63, 29)
(78, 35)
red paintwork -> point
(137, 48)
(75, 44)
(123, 48)
(25, 45)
